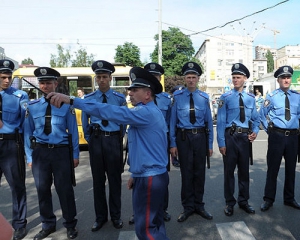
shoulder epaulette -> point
(34, 101)
(273, 93)
(293, 91)
(118, 94)
(90, 94)
(227, 94)
(177, 92)
(203, 94)
(251, 94)
(167, 95)
(18, 93)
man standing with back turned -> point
(282, 109)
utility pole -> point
(159, 34)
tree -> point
(27, 61)
(270, 62)
(128, 54)
(82, 58)
(63, 59)
(177, 49)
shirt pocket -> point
(10, 114)
(58, 117)
(199, 111)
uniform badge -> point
(43, 71)
(191, 65)
(72, 110)
(152, 66)
(6, 63)
(221, 103)
(132, 76)
(100, 64)
(266, 103)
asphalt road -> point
(280, 222)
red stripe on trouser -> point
(148, 207)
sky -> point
(34, 28)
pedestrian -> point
(189, 124)
(51, 145)
(147, 144)
(12, 162)
(237, 125)
(280, 119)
(80, 92)
(105, 140)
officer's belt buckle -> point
(1, 136)
(194, 130)
(239, 130)
(50, 145)
(106, 134)
(287, 133)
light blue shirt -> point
(164, 103)
(274, 109)
(229, 113)
(63, 122)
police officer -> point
(12, 162)
(164, 102)
(190, 117)
(235, 112)
(104, 137)
(280, 118)
(49, 151)
(147, 142)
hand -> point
(174, 151)
(130, 183)
(210, 152)
(252, 137)
(222, 150)
(29, 164)
(56, 99)
(76, 162)
(1, 124)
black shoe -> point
(44, 233)
(204, 214)
(176, 164)
(247, 208)
(265, 206)
(117, 223)
(167, 216)
(72, 233)
(228, 210)
(293, 204)
(97, 225)
(131, 220)
(20, 234)
(184, 216)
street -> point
(280, 222)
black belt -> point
(4, 136)
(107, 134)
(193, 130)
(48, 145)
(239, 130)
(286, 132)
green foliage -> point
(27, 61)
(172, 81)
(129, 54)
(270, 62)
(177, 49)
(64, 58)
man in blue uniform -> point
(280, 118)
(190, 119)
(237, 124)
(147, 142)
(52, 153)
(104, 137)
(12, 162)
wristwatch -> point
(72, 100)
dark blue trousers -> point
(9, 166)
(192, 157)
(237, 155)
(48, 165)
(148, 200)
(105, 160)
(287, 146)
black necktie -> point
(287, 112)
(48, 127)
(192, 110)
(104, 122)
(242, 109)
(0, 107)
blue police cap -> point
(45, 73)
(141, 78)
(102, 66)
(191, 67)
(154, 68)
(6, 66)
(240, 69)
(284, 70)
